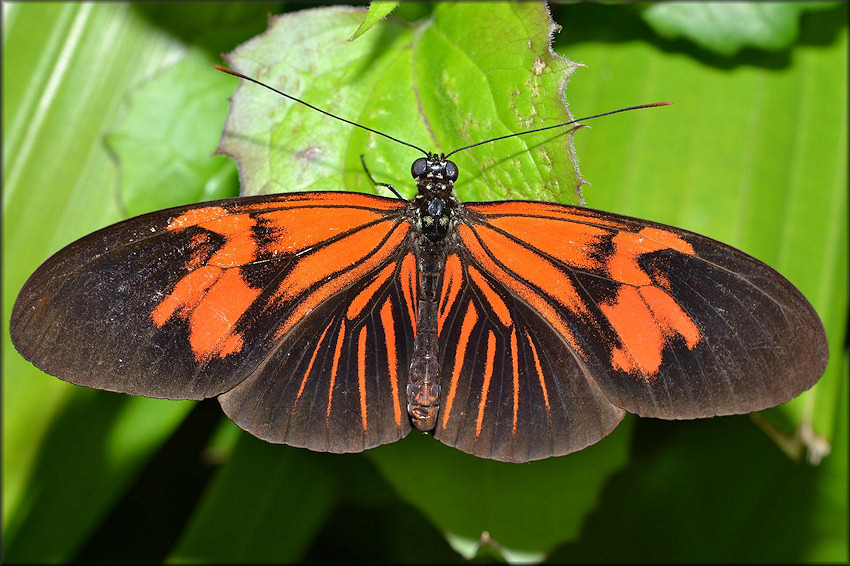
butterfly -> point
(339, 321)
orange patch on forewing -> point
(452, 278)
(628, 247)
(571, 242)
(493, 299)
(488, 374)
(667, 239)
(644, 320)
(643, 314)
(539, 370)
(362, 299)
(409, 287)
(670, 316)
(640, 336)
(360, 256)
(195, 216)
(361, 374)
(540, 304)
(310, 366)
(392, 356)
(294, 229)
(185, 295)
(469, 320)
(212, 322)
(240, 248)
(533, 268)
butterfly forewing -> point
(668, 323)
(185, 303)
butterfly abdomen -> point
(423, 387)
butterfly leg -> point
(377, 184)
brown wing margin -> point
(336, 382)
(669, 323)
(185, 303)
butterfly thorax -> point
(435, 210)
(434, 205)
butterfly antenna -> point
(665, 103)
(290, 97)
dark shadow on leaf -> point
(387, 528)
(215, 26)
(690, 496)
(157, 505)
(54, 498)
(613, 24)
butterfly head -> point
(435, 177)
(434, 174)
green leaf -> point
(58, 184)
(728, 27)
(753, 152)
(165, 143)
(718, 491)
(526, 510)
(68, 69)
(441, 84)
(92, 450)
(265, 505)
(378, 10)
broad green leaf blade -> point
(718, 491)
(752, 158)
(441, 84)
(492, 73)
(58, 185)
(165, 143)
(728, 27)
(265, 505)
(378, 10)
(90, 453)
(629, 168)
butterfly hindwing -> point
(185, 303)
(337, 382)
(509, 389)
(669, 323)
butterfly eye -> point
(451, 171)
(419, 167)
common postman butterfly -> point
(337, 321)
